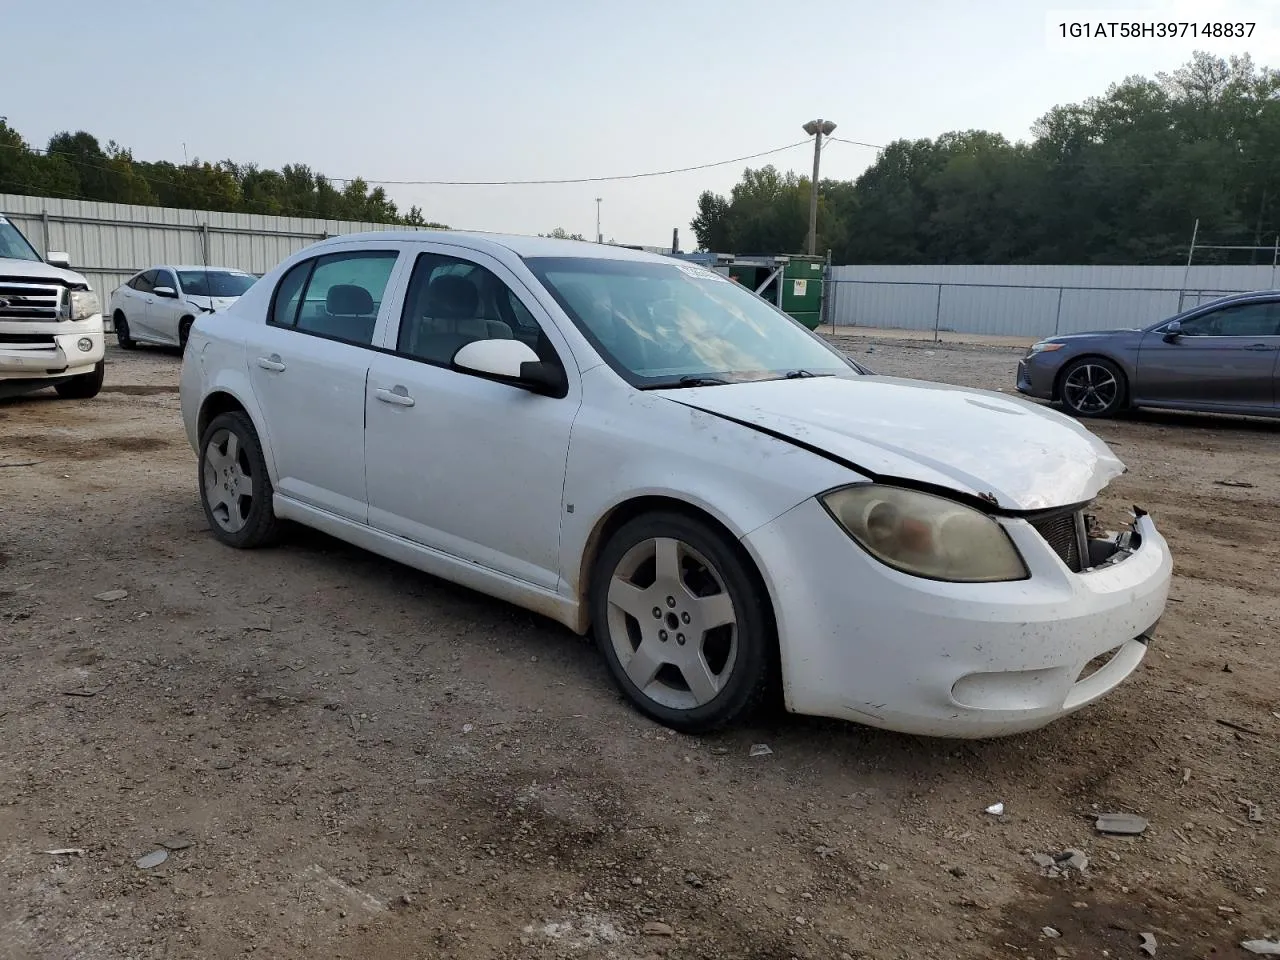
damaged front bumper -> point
(863, 642)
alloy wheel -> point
(672, 623)
(228, 485)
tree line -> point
(77, 166)
(1120, 178)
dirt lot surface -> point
(351, 759)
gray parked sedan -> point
(1219, 357)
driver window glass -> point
(1243, 320)
(452, 302)
(145, 282)
(165, 279)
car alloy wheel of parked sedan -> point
(638, 448)
(1092, 387)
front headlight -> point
(926, 536)
(80, 305)
(1043, 347)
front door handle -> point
(272, 362)
(397, 395)
(1259, 346)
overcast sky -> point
(514, 90)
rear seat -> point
(349, 313)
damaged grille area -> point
(1062, 532)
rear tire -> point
(84, 387)
(234, 487)
(1093, 388)
(125, 341)
(683, 622)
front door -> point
(466, 465)
(308, 365)
(163, 312)
(1224, 357)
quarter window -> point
(284, 305)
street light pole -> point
(599, 235)
(816, 129)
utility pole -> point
(599, 235)
(816, 129)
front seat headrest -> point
(452, 297)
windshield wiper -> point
(689, 380)
(694, 380)
(801, 374)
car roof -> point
(521, 246)
(194, 266)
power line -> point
(857, 143)
(524, 183)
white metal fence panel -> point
(1028, 301)
(108, 242)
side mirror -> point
(58, 258)
(167, 292)
(512, 360)
(1173, 331)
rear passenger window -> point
(335, 296)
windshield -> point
(678, 324)
(13, 245)
(215, 283)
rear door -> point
(1223, 357)
(136, 301)
(308, 365)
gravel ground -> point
(348, 758)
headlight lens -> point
(1044, 348)
(926, 536)
(81, 305)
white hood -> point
(976, 442)
(38, 270)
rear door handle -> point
(397, 395)
(1259, 346)
(272, 362)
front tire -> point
(86, 386)
(184, 331)
(125, 341)
(682, 620)
(234, 487)
(1093, 388)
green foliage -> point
(1118, 179)
(560, 233)
(77, 166)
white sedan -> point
(634, 446)
(159, 305)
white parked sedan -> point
(635, 446)
(160, 305)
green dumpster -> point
(802, 290)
